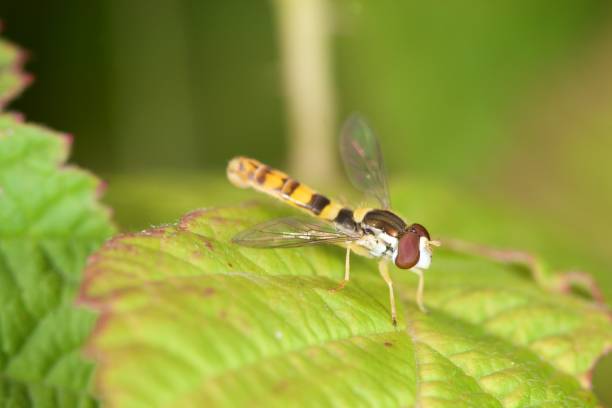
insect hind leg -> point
(383, 268)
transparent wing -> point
(291, 232)
(363, 160)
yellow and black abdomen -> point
(245, 172)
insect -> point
(371, 232)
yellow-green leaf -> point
(189, 319)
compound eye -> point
(420, 230)
(408, 250)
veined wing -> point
(363, 160)
(292, 232)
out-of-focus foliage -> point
(444, 84)
(49, 224)
(275, 334)
(50, 221)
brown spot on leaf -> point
(281, 386)
(205, 240)
(388, 344)
(208, 292)
(221, 220)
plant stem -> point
(304, 37)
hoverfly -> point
(375, 233)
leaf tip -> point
(68, 138)
(101, 188)
(15, 68)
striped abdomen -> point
(244, 172)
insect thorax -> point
(381, 229)
(385, 221)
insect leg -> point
(383, 268)
(347, 264)
(419, 294)
(347, 270)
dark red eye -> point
(408, 250)
(420, 230)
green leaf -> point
(189, 319)
(50, 222)
(12, 79)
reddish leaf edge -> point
(17, 69)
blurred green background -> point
(495, 117)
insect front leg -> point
(383, 268)
(420, 289)
(347, 270)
